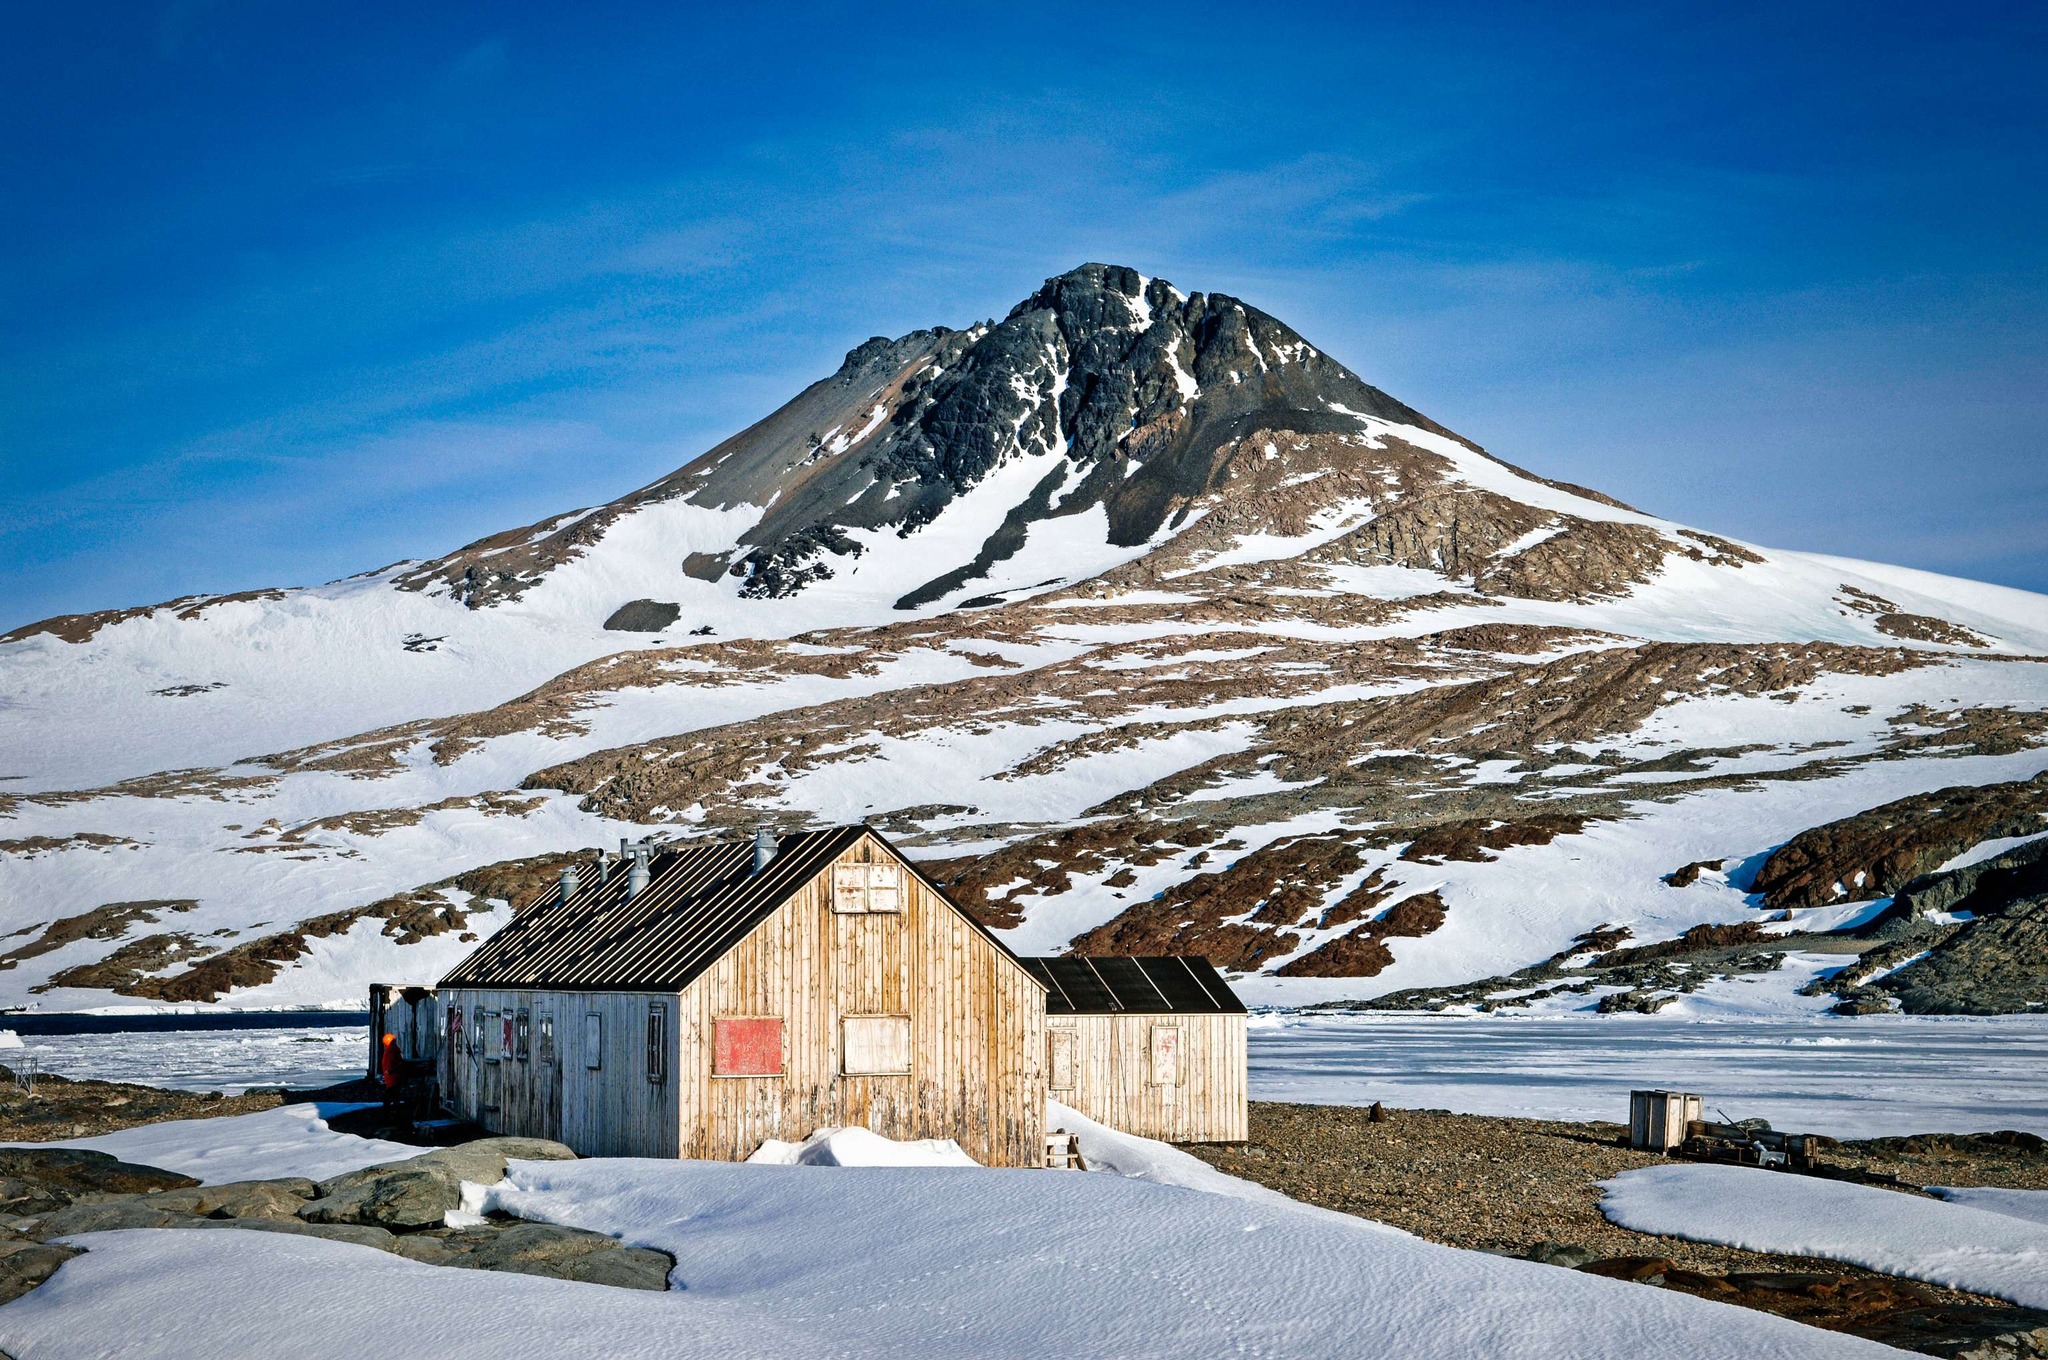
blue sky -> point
(290, 291)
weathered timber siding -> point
(411, 1014)
(612, 1110)
(1113, 1076)
(977, 1029)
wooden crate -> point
(1657, 1119)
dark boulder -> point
(643, 616)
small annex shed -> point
(411, 1015)
(1152, 1046)
(705, 997)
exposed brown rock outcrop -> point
(28, 847)
(82, 627)
(1361, 952)
(109, 922)
(1874, 853)
(135, 969)
(1476, 840)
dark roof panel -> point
(701, 900)
(1124, 985)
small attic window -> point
(849, 889)
(885, 887)
(861, 889)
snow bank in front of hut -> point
(806, 1261)
(1963, 1247)
(860, 1147)
(1144, 1159)
(292, 1140)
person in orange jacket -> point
(390, 1067)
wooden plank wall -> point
(410, 1014)
(1113, 1076)
(612, 1111)
(977, 1030)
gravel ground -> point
(1510, 1185)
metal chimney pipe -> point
(569, 883)
(764, 848)
(637, 877)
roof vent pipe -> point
(637, 876)
(569, 884)
(764, 848)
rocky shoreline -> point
(1529, 1188)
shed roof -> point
(701, 900)
(1077, 984)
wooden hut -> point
(1152, 1046)
(712, 995)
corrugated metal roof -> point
(701, 900)
(1077, 984)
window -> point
(593, 1040)
(547, 1037)
(454, 1032)
(507, 1043)
(885, 887)
(522, 1033)
(876, 1045)
(861, 888)
(476, 1032)
(1166, 1055)
(1059, 1059)
(657, 1043)
(849, 888)
(746, 1046)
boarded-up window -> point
(522, 1036)
(657, 1043)
(876, 1045)
(746, 1046)
(476, 1032)
(1059, 1059)
(593, 1040)
(494, 1047)
(850, 888)
(508, 1035)
(454, 1032)
(885, 887)
(1166, 1055)
(547, 1037)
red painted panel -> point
(746, 1048)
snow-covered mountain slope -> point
(1142, 621)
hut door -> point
(1059, 1059)
(1166, 1055)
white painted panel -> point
(850, 888)
(885, 887)
(877, 1045)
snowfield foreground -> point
(1993, 1242)
(868, 1261)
